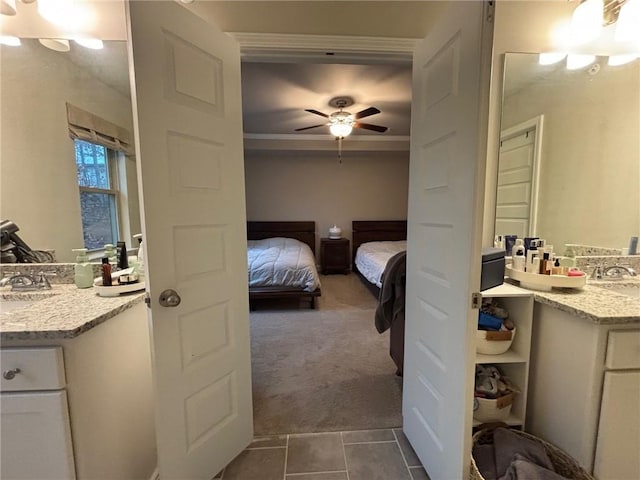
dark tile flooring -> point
(361, 455)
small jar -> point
(335, 232)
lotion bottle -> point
(106, 273)
(140, 257)
(518, 260)
(83, 271)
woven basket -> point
(563, 463)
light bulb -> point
(550, 58)
(92, 43)
(60, 12)
(617, 60)
(627, 26)
(340, 129)
(575, 61)
(586, 22)
(57, 44)
(9, 40)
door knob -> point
(170, 298)
(10, 374)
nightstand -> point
(334, 255)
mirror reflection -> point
(68, 173)
(569, 164)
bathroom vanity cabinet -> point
(514, 363)
(89, 403)
(585, 390)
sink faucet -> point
(26, 282)
(617, 271)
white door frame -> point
(536, 124)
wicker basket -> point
(562, 462)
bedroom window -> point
(97, 168)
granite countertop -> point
(598, 302)
(65, 311)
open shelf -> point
(507, 357)
(512, 421)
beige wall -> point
(314, 186)
(39, 190)
(590, 162)
(522, 26)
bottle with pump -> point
(140, 259)
(83, 271)
(518, 259)
(106, 273)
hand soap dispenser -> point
(140, 258)
(83, 269)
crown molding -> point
(275, 47)
(290, 141)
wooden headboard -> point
(363, 231)
(302, 231)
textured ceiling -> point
(275, 96)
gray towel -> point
(391, 298)
(522, 469)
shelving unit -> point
(514, 363)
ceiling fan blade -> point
(368, 126)
(310, 110)
(366, 112)
(307, 128)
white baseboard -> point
(155, 475)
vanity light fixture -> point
(628, 24)
(586, 22)
(57, 44)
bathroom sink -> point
(629, 290)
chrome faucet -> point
(617, 271)
(26, 282)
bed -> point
(373, 243)
(393, 235)
(266, 278)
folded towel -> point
(522, 469)
(508, 444)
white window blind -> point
(86, 126)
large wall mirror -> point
(569, 164)
(40, 180)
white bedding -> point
(372, 257)
(282, 262)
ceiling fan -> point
(341, 123)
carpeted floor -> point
(326, 369)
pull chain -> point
(340, 150)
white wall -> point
(39, 190)
(314, 186)
(590, 162)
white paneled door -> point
(187, 115)
(451, 70)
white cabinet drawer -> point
(623, 349)
(32, 369)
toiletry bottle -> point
(545, 264)
(532, 253)
(123, 260)
(633, 246)
(556, 269)
(83, 271)
(140, 256)
(106, 273)
(518, 260)
(518, 247)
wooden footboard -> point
(302, 231)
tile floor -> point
(361, 455)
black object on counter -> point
(123, 260)
(492, 268)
